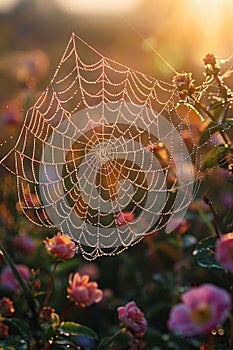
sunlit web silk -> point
(103, 140)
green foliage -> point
(19, 327)
(205, 254)
(214, 157)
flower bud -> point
(61, 246)
(6, 307)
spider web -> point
(102, 156)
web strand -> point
(102, 144)
(156, 52)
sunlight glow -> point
(97, 6)
(7, 5)
(210, 16)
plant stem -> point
(53, 339)
(31, 301)
(209, 203)
(66, 310)
(222, 133)
(204, 217)
(110, 340)
(17, 275)
(50, 287)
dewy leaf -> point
(14, 343)
(214, 156)
(210, 130)
(20, 327)
(48, 334)
(73, 328)
(205, 254)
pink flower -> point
(61, 246)
(227, 199)
(124, 218)
(12, 114)
(83, 292)
(133, 318)
(8, 279)
(25, 243)
(203, 308)
(224, 251)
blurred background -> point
(34, 33)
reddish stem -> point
(209, 203)
(50, 288)
(66, 310)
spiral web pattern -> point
(103, 141)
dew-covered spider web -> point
(106, 154)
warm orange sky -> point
(183, 31)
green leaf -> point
(48, 334)
(214, 156)
(205, 254)
(228, 123)
(210, 130)
(14, 343)
(72, 328)
(19, 326)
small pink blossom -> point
(61, 246)
(83, 292)
(12, 114)
(227, 199)
(133, 318)
(124, 218)
(224, 251)
(203, 309)
(25, 243)
(8, 279)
